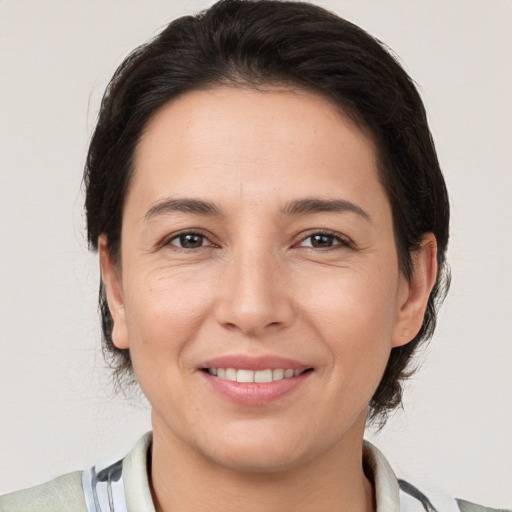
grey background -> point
(58, 409)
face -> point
(259, 290)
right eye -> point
(189, 241)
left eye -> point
(189, 241)
(321, 241)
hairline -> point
(285, 85)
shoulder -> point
(466, 506)
(397, 495)
(123, 485)
(438, 500)
(63, 494)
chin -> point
(262, 451)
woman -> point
(271, 223)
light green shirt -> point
(124, 487)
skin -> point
(258, 283)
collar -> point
(124, 486)
(385, 483)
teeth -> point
(263, 376)
(243, 375)
(230, 374)
(259, 376)
(278, 374)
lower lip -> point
(250, 393)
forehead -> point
(232, 141)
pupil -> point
(322, 241)
(191, 241)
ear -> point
(414, 293)
(111, 277)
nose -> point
(254, 296)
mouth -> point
(250, 380)
(255, 376)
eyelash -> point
(336, 239)
(178, 236)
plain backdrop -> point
(58, 408)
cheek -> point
(358, 301)
(164, 311)
(354, 316)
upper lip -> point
(245, 362)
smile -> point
(257, 376)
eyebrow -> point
(293, 208)
(314, 205)
(194, 206)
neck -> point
(183, 480)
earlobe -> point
(112, 283)
(416, 291)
